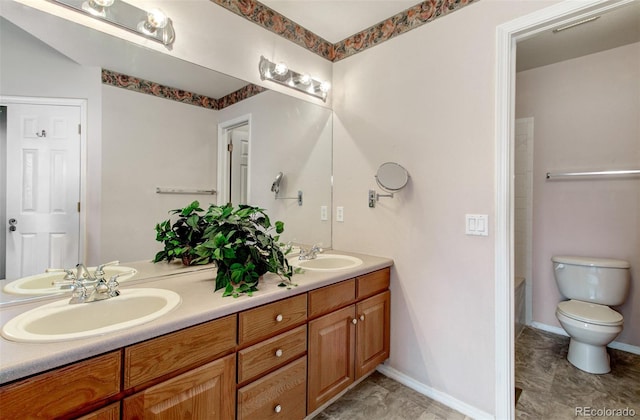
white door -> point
(239, 139)
(43, 188)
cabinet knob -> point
(362, 317)
(354, 321)
(277, 408)
(279, 353)
(279, 318)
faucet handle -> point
(100, 270)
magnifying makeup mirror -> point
(391, 177)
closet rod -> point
(160, 190)
(596, 173)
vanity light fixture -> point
(302, 82)
(152, 24)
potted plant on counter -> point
(181, 238)
(240, 241)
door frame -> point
(507, 36)
(82, 104)
(223, 157)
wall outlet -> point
(339, 214)
(324, 213)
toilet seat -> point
(590, 313)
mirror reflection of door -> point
(42, 160)
(238, 149)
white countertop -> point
(199, 304)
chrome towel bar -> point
(594, 173)
(160, 190)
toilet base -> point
(587, 357)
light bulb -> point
(281, 69)
(325, 86)
(103, 3)
(305, 79)
(157, 19)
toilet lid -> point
(590, 312)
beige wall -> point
(426, 100)
(150, 142)
(586, 118)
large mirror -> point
(134, 143)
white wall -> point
(586, 118)
(426, 100)
(28, 67)
(150, 142)
(293, 137)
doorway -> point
(234, 145)
(507, 36)
(42, 146)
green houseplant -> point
(183, 236)
(240, 241)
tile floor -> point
(552, 388)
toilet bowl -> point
(591, 327)
(591, 285)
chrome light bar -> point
(281, 74)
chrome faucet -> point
(311, 253)
(87, 287)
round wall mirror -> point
(392, 177)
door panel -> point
(43, 188)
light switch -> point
(339, 214)
(324, 213)
(477, 224)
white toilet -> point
(592, 285)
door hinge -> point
(230, 147)
(79, 129)
(78, 207)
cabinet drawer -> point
(268, 354)
(279, 395)
(372, 283)
(62, 391)
(265, 321)
(332, 297)
(110, 412)
(183, 349)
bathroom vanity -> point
(282, 353)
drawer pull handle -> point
(279, 318)
(279, 353)
(354, 321)
(278, 408)
(362, 317)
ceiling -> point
(335, 20)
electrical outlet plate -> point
(477, 224)
(324, 213)
(339, 214)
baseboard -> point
(560, 331)
(434, 394)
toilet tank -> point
(604, 281)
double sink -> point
(61, 321)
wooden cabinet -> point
(348, 343)
(207, 392)
(280, 360)
(61, 392)
(278, 395)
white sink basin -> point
(41, 284)
(327, 262)
(61, 321)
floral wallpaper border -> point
(113, 78)
(398, 24)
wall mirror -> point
(137, 142)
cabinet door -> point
(372, 337)
(110, 412)
(331, 356)
(207, 392)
